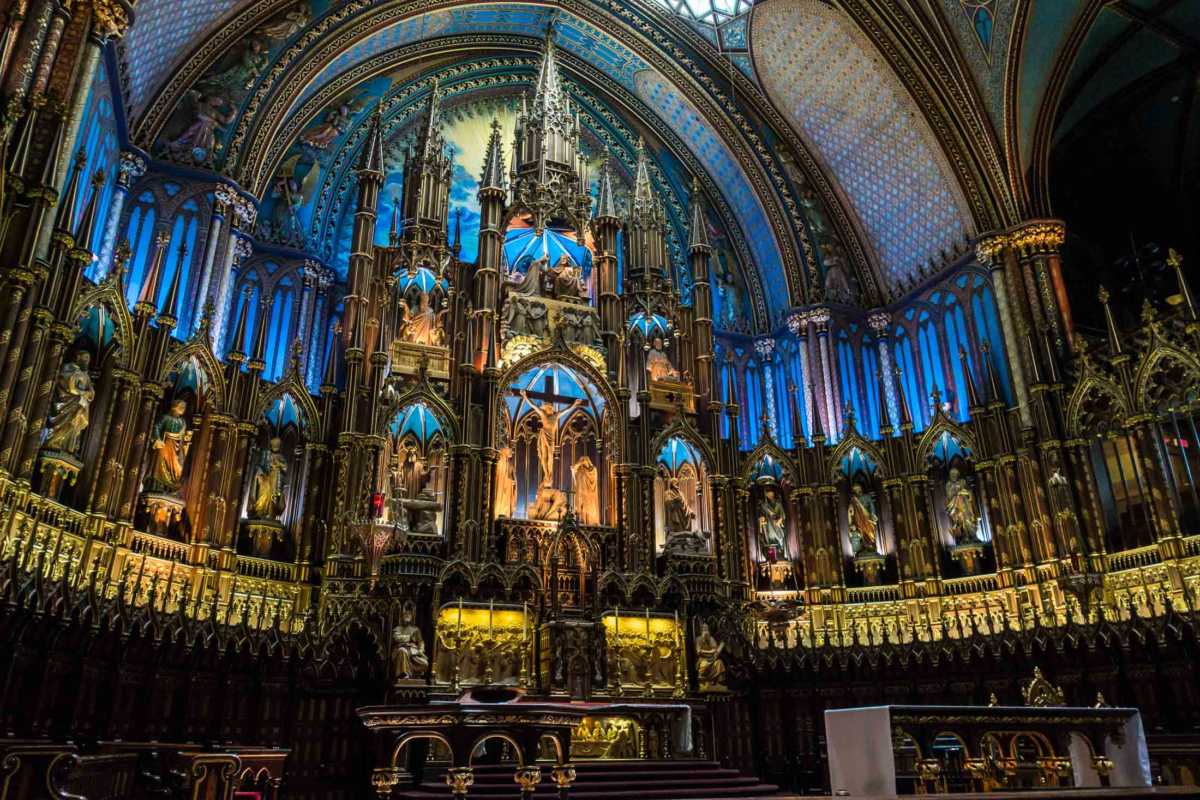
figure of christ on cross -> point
(551, 417)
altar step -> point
(611, 780)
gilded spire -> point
(548, 97)
(239, 329)
(154, 273)
(171, 301)
(86, 227)
(606, 200)
(370, 159)
(493, 162)
(643, 191)
(432, 144)
(698, 230)
(70, 195)
(1114, 338)
(901, 400)
(972, 393)
(885, 413)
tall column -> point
(820, 319)
(223, 198)
(25, 53)
(798, 325)
(316, 347)
(991, 252)
(1037, 245)
(765, 348)
(880, 323)
(308, 301)
(130, 167)
(239, 249)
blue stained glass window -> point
(931, 363)
(783, 400)
(910, 382)
(755, 405)
(870, 420)
(247, 306)
(139, 232)
(849, 379)
(283, 302)
(959, 338)
(987, 326)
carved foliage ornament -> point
(112, 17)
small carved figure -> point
(657, 363)
(679, 515)
(169, 448)
(568, 280)
(409, 661)
(961, 508)
(863, 520)
(506, 484)
(587, 491)
(270, 474)
(710, 669)
(73, 406)
(772, 527)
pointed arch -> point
(293, 386)
(1155, 370)
(855, 441)
(769, 448)
(199, 349)
(109, 296)
(942, 425)
(1097, 404)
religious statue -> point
(409, 662)
(772, 527)
(547, 435)
(579, 326)
(568, 280)
(506, 483)
(326, 132)
(423, 326)
(709, 667)
(270, 474)
(864, 521)
(169, 447)
(657, 363)
(961, 508)
(197, 143)
(585, 482)
(288, 25)
(678, 513)
(549, 504)
(529, 283)
(72, 407)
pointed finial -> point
(70, 195)
(698, 230)
(901, 400)
(972, 393)
(990, 367)
(86, 227)
(1175, 261)
(1114, 338)
(606, 201)
(493, 162)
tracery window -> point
(184, 234)
(713, 12)
(139, 232)
(282, 308)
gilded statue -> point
(423, 326)
(710, 669)
(657, 363)
(772, 527)
(961, 508)
(568, 279)
(678, 514)
(547, 435)
(864, 521)
(72, 407)
(585, 482)
(506, 483)
(409, 661)
(267, 488)
(169, 447)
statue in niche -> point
(864, 521)
(732, 291)
(72, 407)
(409, 662)
(288, 25)
(838, 286)
(335, 123)
(547, 435)
(586, 484)
(270, 476)
(506, 483)
(710, 669)
(197, 142)
(772, 527)
(239, 78)
(678, 513)
(567, 280)
(528, 284)
(961, 508)
(423, 326)
(169, 447)
(657, 363)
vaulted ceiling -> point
(878, 136)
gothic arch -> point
(1097, 404)
(769, 448)
(199, 348)
(1164, 368)
(292, 385)
(852, 442)
(110, 296)
(942, 425)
